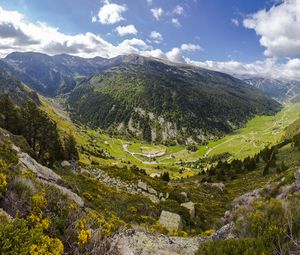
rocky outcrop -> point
(171, 221)
(191, 207)
(42, 172)
(71, 195)
(133, 242)
(140, 187)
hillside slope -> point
(280, 90)
(50, 75)
(157, 101)
(14, 88)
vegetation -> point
(141, 92)
(39, 130)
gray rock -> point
(225, 232)
(134, 242)
(142, 185)
(191, 207)
(220, 186)
(66, 164)
(152, 191)
(42, 172)
(184, 194)
(167, 195)
(71, 195)
(171, 221)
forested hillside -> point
(157, 101)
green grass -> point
(258, 132)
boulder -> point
(152, 191)
(170, 221)
(42, 172)
(70, 194)
(191, 207)
(141, 185)
(184, 194)
(65, 164)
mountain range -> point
(145, 98)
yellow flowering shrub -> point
(84, 234)
(47, 245)
(3, 183)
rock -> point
(135, 242)
(42, 172)
(297, 179)
(66, 164)
(155, 175)
(225, 232)
(167, 195)
(247, 198)
(191, 207)
(70, 194)
(171, 221)
(184, 194)
(220, 186)
(142, 185)
(152, 191)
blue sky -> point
(216, 34)
(204, 22)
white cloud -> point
(190, 47)
(150, 2)
(176, 22)
(111, 13)
(156, 37)
(19, 34)
(268, 68)
(157, 13)
(178, 10)
(176, 54)
(278, 28)
(126, 30)
(235, 22)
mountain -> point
(51, 75)
(161, 101)
(14, 88)
(280, 90)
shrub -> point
(235, 247)
(18, 237)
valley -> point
(90, 151)
(258, 133)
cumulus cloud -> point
(178, 10)
(278, 28)
(150, 2)
(268, 68)
(235, 22)
(176, 22)
(157, 13)
(176, 54)
(19, 34)
(111, 13)
(156, 37)
(126, 30)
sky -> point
(241, 37)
